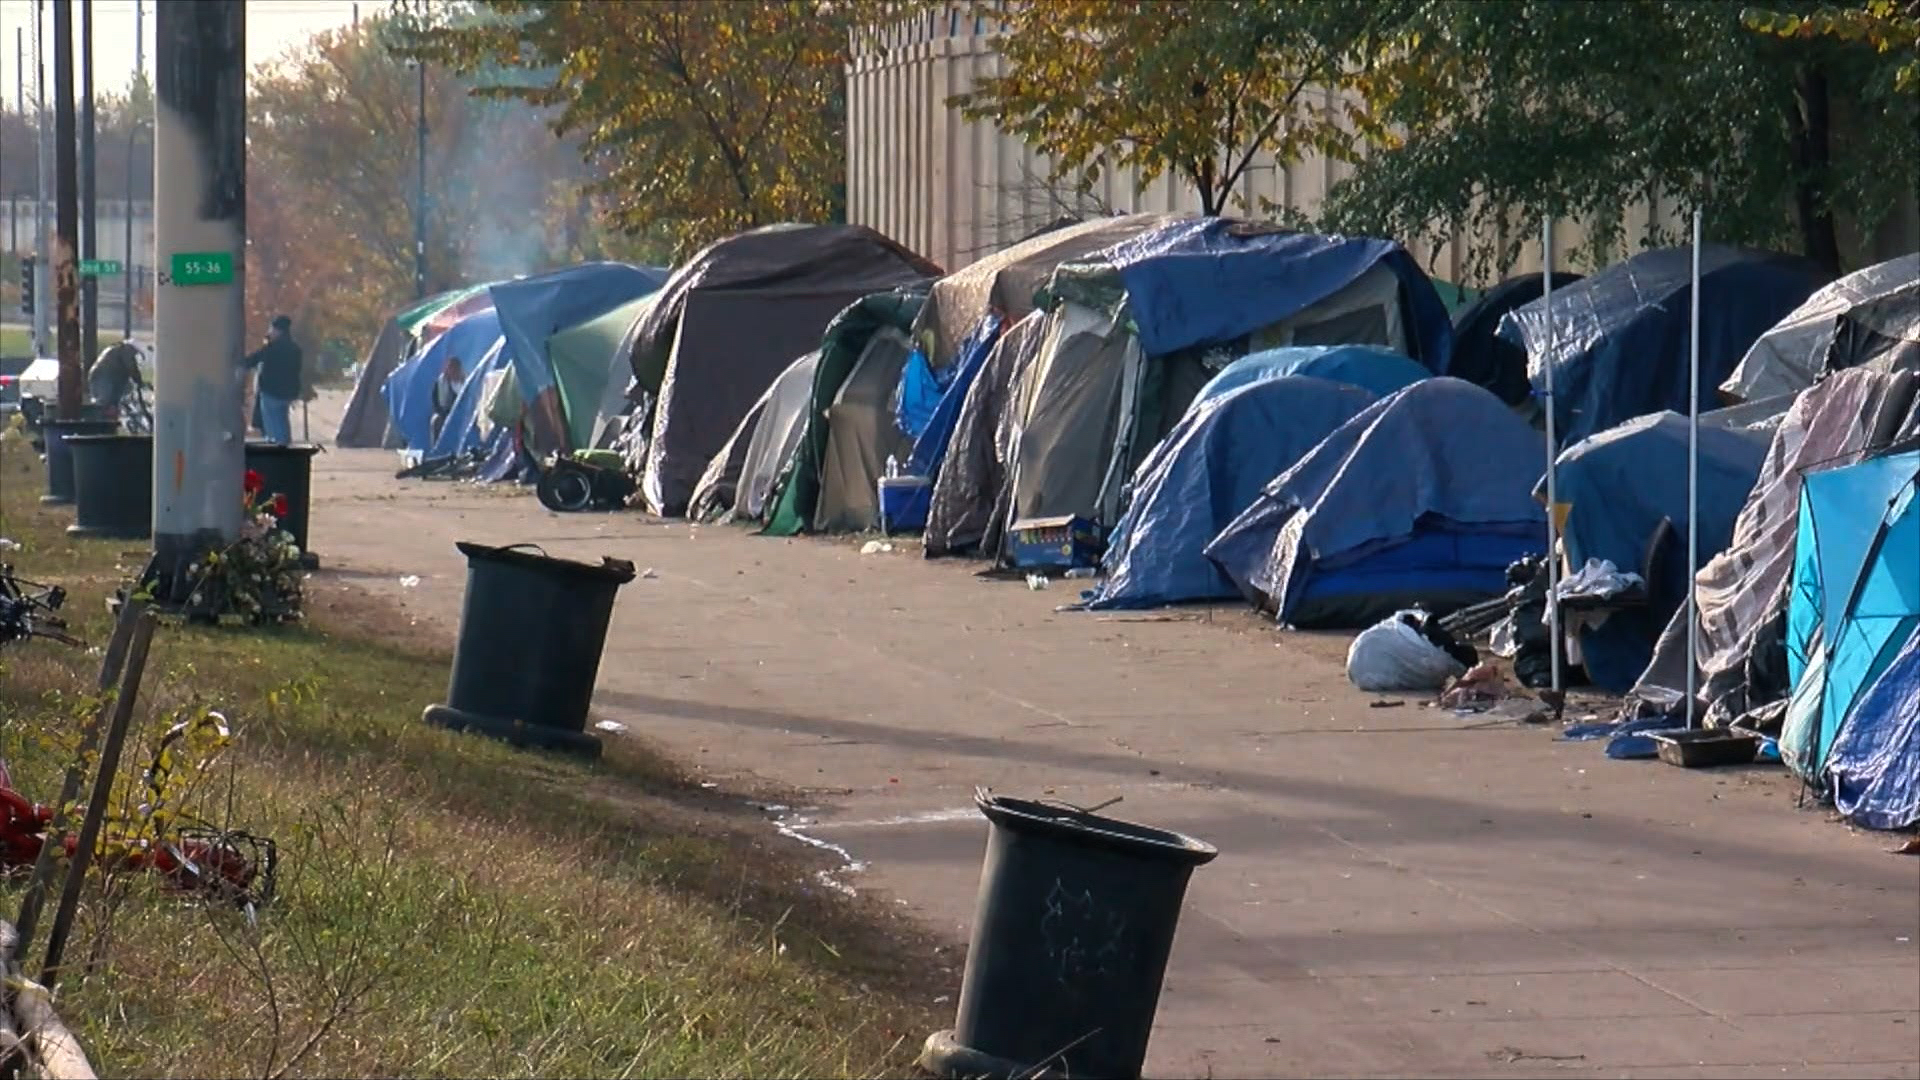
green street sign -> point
(100, 267)
(202, 268)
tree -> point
(1518, 109)
(1195, 90)
(1885, 25)
(711, 116)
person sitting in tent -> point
(279, 385)
(446, 391)
(114, 374)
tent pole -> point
(1553, 451)
(1693, 481)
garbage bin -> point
(112, 486)
(60, 460)
(288, 470)
(532, 628)
(1071, 936)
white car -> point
(40, 379)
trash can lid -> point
(262, 446)
(110, 437)
(1075, 826)
(533, 557)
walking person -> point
(278, 384)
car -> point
(27, 391)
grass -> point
(16, 341)
(447, 905)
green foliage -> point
(1884, 25)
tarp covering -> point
(1480, 354)
(364, 424)
(764, 443)
(1855, 598)
(414, 319)
(1617, 487)
(461, 431)
(730, 320)
(970, 480)
(1620, 337)
(533, 309)
(1741, 592)
(1203, 476)
(1425, 498)
(1874, 763)
(586, 356)
(930, 448)
(861, 436)
(1867, 315)
(1371, 368)
(1211, 281)
(409, 390)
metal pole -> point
(420, 203)
(133, 139)
(89, 194)
(1693, 479)
(66, 281)
(1553, 453)
(42, 232)
(200, 195)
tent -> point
(908, 512)
(1480, 354)
(533, 309)
(1742, 592)
(1456, 297)
(586, 358)
(739, 482)
(1874, 763)
(731, 320)
(978, 454)
(1621, 336)
(846, 435)
(1425, 498)
(364, 424)
(1616, 489)
(463, 430)
(409, 390)
(1869, 316)
(1207, 472)
(1855, 599)
(1371, 368)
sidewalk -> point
(1396, 894)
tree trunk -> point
(1211, 199)
(1810, 134)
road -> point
(1399, 892)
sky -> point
(273, 26)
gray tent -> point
(740, 478)
(365, 423)
(961, 518)
(861, 435)
(1869, 317)
(731, 320)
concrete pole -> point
(66, 247)
(42, 234)
(89, 194)
(200, 200)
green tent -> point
(411, 318)
(585, 357)
(1455, 296)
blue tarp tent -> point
(532, 309)
(1203, 475)
(904, 509)
(1620, 337)
(1855, 598)
(1617, 487)
(1371, 368)
(1875, 760)
(409, 390)
(461, 431)
(1424, 498)
(1210, 281)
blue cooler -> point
(904, 503)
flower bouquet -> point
(257, 577)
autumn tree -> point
(1886, 26)
(710, 116)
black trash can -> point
(60, 459)
(532, 628)
(288, 470)
(1071, 936)
(112, 486)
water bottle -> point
(893, 467)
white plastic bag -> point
(1392, 655)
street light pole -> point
(66, 280)
(133, 138)
(42, 235)
(420, 193)
(89, 194)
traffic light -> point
(26, 283)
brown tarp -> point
(365, 423)
(861, 435)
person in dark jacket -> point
(114, 374)
(278, 384)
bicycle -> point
(29, 609)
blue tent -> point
(1620, 337)
(1617, 486)
(930, 447)
(1855, 598)
(1377, 370)
(1203, 475)
(1210, 281)
(1424, 498)
(1875, 760)
(532, 309)
(409, 390)
(461, 431)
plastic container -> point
(112, 486)
(1071, 936)
(288, 470)
(532, 628)
(1704, 748)
(60, 459)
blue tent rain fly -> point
(461, 431)
(1203, 475)
(1371, 368)
(1424, 498)
(410, 388)
(1875, 760)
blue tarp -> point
(1210, 281)
(1379, 371)
(919, 393)
(1875, 760)
(1619, 484)
(1620, 337)
(461, 431)
(1425, 497)
(930, 447)
(532, 309)
(409, 390)
(1209, 469)
(1855, 597)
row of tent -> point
(1210, 409)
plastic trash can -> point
(112, 486)
(1071, 936)
(288, 470)
(532, 628)
(60, 459)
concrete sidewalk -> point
(1399, 893)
